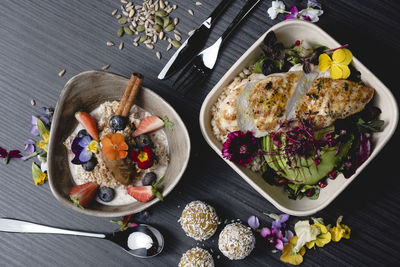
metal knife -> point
(193, 44)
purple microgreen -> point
(240, 147)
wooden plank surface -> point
(40, 38)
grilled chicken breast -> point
(329, 100)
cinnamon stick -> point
(125, 97)
(135, 88)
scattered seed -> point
(177, 32)
(118, 16)
(125, 13)
(191, 12)
(169, 28)
(176, 21)
(161, 13)
(169, 46)
(167, 21)
(148, 41)
(61, 73)
(162, 4)
(120, 31)
(124, 1)
(131, 13)
(159, 20)
(110, 43)
(143, 38)
(198, 3)
(128, 30)
(136, 39)
(178, 37)
(123, 20)
(158, 54)
(121, 46)
(33, 102)
(140, 28)
(105, 67)
(176, 43)
(161, 35)
(114, 12)
(158, 28)
(150, 46)
(174, 7)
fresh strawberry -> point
(145, 193)
(148, 124)
(83, 194)
(89, 123)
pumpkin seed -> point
(127, 30)
(158, 28)
(170, 27)
(143, 38)
(167, 21)
(159, 20)
(120, 31)
(176, 43)
(140, 28)
(123, 20)
(161, 13)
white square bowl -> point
(288, 32)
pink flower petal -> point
(265, 231)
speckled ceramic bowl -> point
(288, 32)
(86, 91)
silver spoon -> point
(142, 241)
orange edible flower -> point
(114, 146)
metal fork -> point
(197, 72)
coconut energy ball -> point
(196, 257)
(199, 220)
(236, 241)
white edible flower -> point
(276, 8)
(311, 13)
(305, 233)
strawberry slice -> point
(148, 124)
(89, 123)
(145, 193)
(141, 193)
(83, 194)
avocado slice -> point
(303, 170)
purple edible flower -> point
(85, 154)
(265, 231)
(253, 222)
(29, 146)
(278, 224)
(240, 147)
(293, 13)
(9, 155)
(313, 3)
(34, 129)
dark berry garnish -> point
(82, 133)
(149, 178)
(118, 123)
(332, 175)
(322, 184)
(310, 192)
(106, 194)
(89, 165)
(143, 140)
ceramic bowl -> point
(288, 32)
(86, 91)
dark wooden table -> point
(40, 38)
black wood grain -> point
(40, 38)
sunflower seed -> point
(161, 35)
(33, 102)
(134, 24)
(174, 7)
(118, 16)
(110, 43)
(125, 13)
(135, 43)
(114, 12)
(246, 71)
(120, 31)
(105, 67)
(150, 46)
(198, 3)
(178, 37)
(191, 32)
(158, 54)
(129, 5)
(169, 28)
(148, 41)
(176, 43)
(131, 13)
(169, 46)
(136, 39)
(191, 12)
(61, 73)
(162, 4)
(124, 1)
(155, 37)
(176, 21)
(121, 46)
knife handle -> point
(239, 17)
(217, 12)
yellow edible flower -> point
(322, 239)
(340, 230)
(38, 176)
(341, 58)
(93, 146)
(42, 144)
(289, 254)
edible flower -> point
(338, 65)
(29, 146)
(340, 230)
(38, 176)
(313, 3)
(240, 147)
(114, 146)
(124, 223)
(276, 8)
(306, 233)
(290, 254)
(253, 222)
(323, 238)
(143, 158)
(9, 155)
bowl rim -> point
(100, 213)
(206, 104)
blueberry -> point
(149, 178)
(82, 133)
(143, 140)
(106, 194)
(118, 123)
(89, 165)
